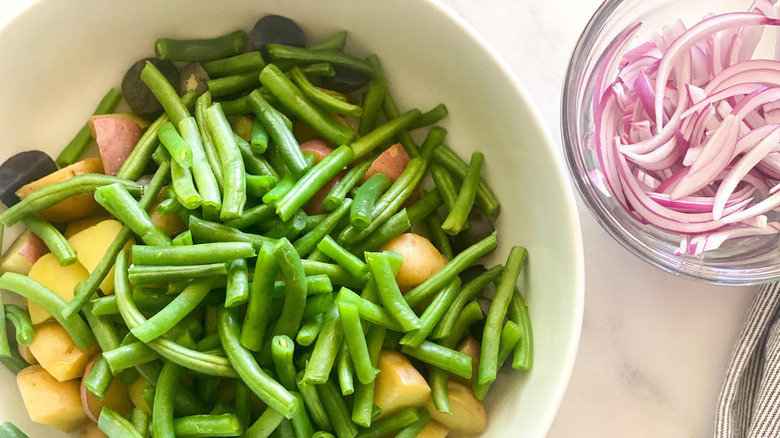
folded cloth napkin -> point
(749, 404)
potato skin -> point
(116, 137)
(25, 251)
(421, 259)
(75, 207)
(49, 401)
(391, 162)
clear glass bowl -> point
(747, 261)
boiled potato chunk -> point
(242, 125)
(136, 392)
(57, 353)
(398, 384)
(433, 430)
(80, 225)
(75, 207)
(92, 244)
(421, 259)
(89, 429)
(26, 354)
(469, 346)
(49, 401)
(60, 279)
(25, 251)
(170, 224)
(116, 398)
(468, 414)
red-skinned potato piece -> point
(320, 149)
(24, 252)
(391, 162)
(116, 398)
(116, 136)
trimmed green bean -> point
(265, 425)
(488, 363)
(274, 123)
(383, 133)
(169, 206)
(350, 180)
(99, 379)
(311, 400)
(433, 140)
(389, 292)
(116, 199)
(372, 105)
(178, 148)
(115, 425)
(466, 294)
(325, 349)
(259, 142)
(235, 83)
(317, 305)
(352, 264)
(20, 319)
(345, 370)
(309, 331)
(337, 410)
(337, 274)
(252, 216)
(79, 143)
(15, 363)
(245, 62)
(485, 198)
(270, 392)
(183, 239)
(152, 274)
(451, 270)
(198, 50)
(130, 355)
(438, 236)
(458, 215)
(51, 302)
(369, 311)
(392, 423)
(52, 194)
(204, 232)
(518, 312)
(162, 410)
(310, 240)
(301, 421)
(237, 283)
(200, 254)
(209, 148)
(322, 434)
(441, 357)
(164, 92)
(315, 285)
(430, 117)
(397, 224)
(414, 429)
(363, 404)
(510, 339)
(445, 184)
(52, 237)
(326, 101)
(202, 173)
(432, 314)
(313, 221)
(259, 185)
(296, 101)
(141, 421)
(243, 404)
(184, 187)
(282, 351)
(260, 297)
(365, 198)
(222, 425)
(281, 52)
(9, 430)
(233, 173)
(356, 341)
(295, 290)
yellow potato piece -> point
(242, 125)
(89, 429)
(433, 430)
(26, 354)
(398, 384)
(468, 413)
(91, 245)
(60, 279)
(469, 346)
(75, 207)
(57, 353)
(49, 401)
(116, 398)
(421, 259)
(136, 392)
(80, 225)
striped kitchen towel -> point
(749, 404)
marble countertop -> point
(654, 347)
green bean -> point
(445, 184)
(432, 315)
(353, 334)
(363, 404)
(390, 202)
(76, 147)
(252, 216)
(209, 149)
(336, 273)
(15, 363)
(466, 294)
(372, 104)
(308, 242)
(198, 50)
(223, 425)
(140, 420)
(351, 179)
(265, 425)
(309, 331)
(236, 107)
(174, 312)
(234, 179)
(162, 410)
(121, 204)
(322, 434)
(178, 148)
(259, 185)
(345, 370)
(518, 312)
(282, 350)
(205, 231)
(245, 62)
(237, 283)
(317, 305)
(235, 83)
(451, 270)
(208, 185)
(280, 52)
(389, 292)
(337, 410)
(318, 256)
(150, 299)
(260, 298)
(274, 123)
(9, 430)
(315, 285)
(430, 117)
(183, 239)
(153, 274)
(203, 253)
(441, 357)
(51, 302)
(52, 194)
(312, 222)
(301, 421)
(259, 142)
(164, 92)
(458, 215)
(295, 290)
(325, 349)
(391, 111)
(433, 140)
(352, 264)
(488, 364)
(485, 198)
(103, 329)
(383, 133)
(52, 237)
(285, 184)
(270, 392)
(296, 101)
(414, 429)
(510, 338)
(20, 319)
(130, 355)
(184, 188)
(243, 404)
(115, 425)
(369, 311)
(365, 198)
(392, 423)
(326, 101)
(437, 235)
(99, 379)
(169, 206)
(397, 224)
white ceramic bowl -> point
(60, 57)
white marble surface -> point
(654, 347)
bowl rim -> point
(559, 169)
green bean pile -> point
(291, 309)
